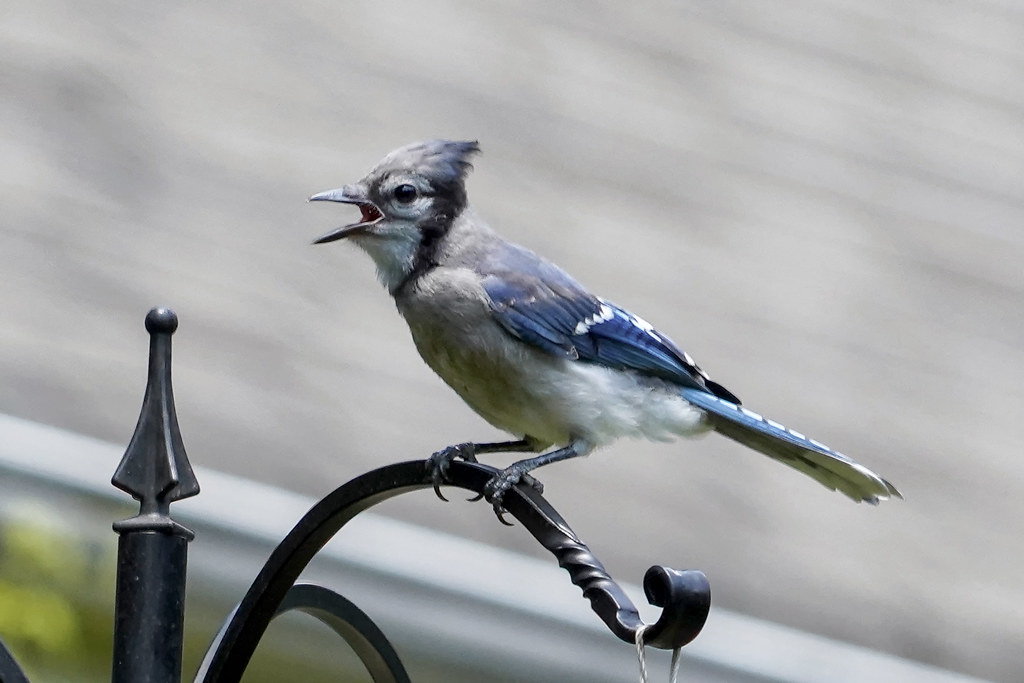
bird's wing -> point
(540, 304)
(826, 466)
(544, 306)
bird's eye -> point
(405, 193)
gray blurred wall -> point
(821, 201)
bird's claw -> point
(437, 464)
(498, 485)
(527, 479)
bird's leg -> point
(438, 463)
(517, 472)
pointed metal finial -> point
(155, 469)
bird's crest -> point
(444, 162)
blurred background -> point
(823, 202)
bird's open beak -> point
(350, 194)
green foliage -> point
(57, 610)
(55, 599)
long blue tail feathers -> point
(826, 466)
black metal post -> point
(149, 609)
(10, 672)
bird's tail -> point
(832, 469)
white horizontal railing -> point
(437, 596)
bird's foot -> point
(438, 463)
(498, 485)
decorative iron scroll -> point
(684, 596)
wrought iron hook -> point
(685, 597)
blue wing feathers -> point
(533, 331)
(558, 315)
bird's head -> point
(408, 202)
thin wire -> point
(640, 654)
(641, 657)
(673, 675)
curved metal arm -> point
(353, 625)
(684, 597)
(344, 618)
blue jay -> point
(531, 350)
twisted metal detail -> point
(684, 597)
